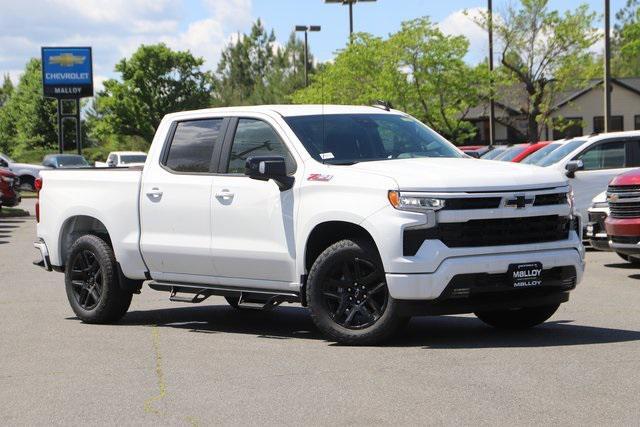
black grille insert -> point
(472, 203)
(550, 199)
(500, 232)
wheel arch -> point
(80, 225)
(327, 233)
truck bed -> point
(110, 195)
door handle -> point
(155, 194)
(224, 195)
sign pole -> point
(60, 131)
(78, 124)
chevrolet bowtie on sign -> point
(67, 72)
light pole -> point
(492, 103)
(350, 3)
(306, 29)
(607, 66)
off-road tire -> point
(521, 318)
(113, 301)
(382, 328)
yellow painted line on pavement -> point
(162, 387)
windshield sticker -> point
(326, 156)
(319, 177)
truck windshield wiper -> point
(342, 163)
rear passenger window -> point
(609, 155)
(193, 144)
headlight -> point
(414, 202)
(7, 179)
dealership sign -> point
(67, 72)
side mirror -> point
(573, 166)
(3, 164)
(111, 164)
(266, 168)
(48, 164)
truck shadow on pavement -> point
(7, 227)
(444, 332)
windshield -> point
(492, 154)
(535, 157)
(133, 158)
(6, 158)
(511, 153)
(71, 161)
(353, 138)
(559, 154)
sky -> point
(115, 28)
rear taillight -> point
(38, 186)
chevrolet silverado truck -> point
(362, 214)
(623, 223)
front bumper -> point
(430, 286)
(624, 235)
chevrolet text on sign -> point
(67, 72)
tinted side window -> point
(609, 155)
(193, 144)
(255, 138)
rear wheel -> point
(348, 297)
(521, 318)
(91, 282)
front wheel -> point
(348, 297)
(521, 318)
(92, 284)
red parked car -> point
(529, 150)
(623, 222)
(9, 184)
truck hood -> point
(462, 174)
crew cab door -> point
(253, 227)
(175, 202)
(601, 163)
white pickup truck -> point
(362, 214)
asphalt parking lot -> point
(180, 364)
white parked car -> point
(26, 172)
(362, 214)
(595, 231)
(124, 159)
(591, 162)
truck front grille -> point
(624, 201)
(490, 232)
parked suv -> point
(25, 172)
(591, 162)
(362, 214)
(623, 222)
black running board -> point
(204, 291)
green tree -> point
(155, 81)
(5, 90)
(626, 41)
(27, 119)
(418, 69)
(543, 54)
(253, 70)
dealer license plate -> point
(526, 275)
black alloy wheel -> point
(86, 279)
(355, 293)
